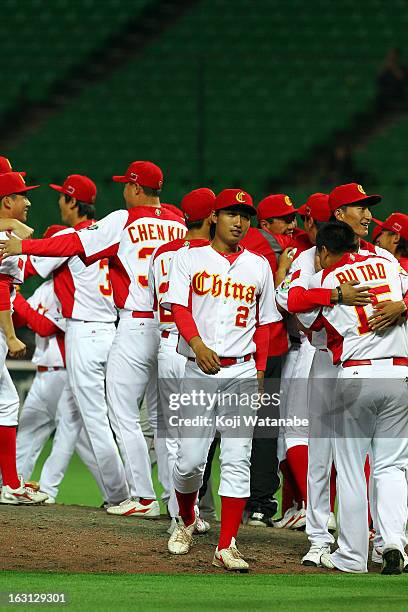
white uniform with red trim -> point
(228, 297)
(171, 364)
(128, 238)
(85, 298)
(370, 406)
(48, 397)
(13, 267)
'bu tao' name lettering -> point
(364, 272)
(203, 283)
(146, 232)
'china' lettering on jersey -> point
(217, 286)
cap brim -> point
(302, 210)
(250, 209)
(57, 188)
(377, 222)
(368, 201)
(26, 188)
(120, 179)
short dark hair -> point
(153, 193)
(193, 225)
(84, 210)
(402, 248)
(337, 237)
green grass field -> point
(225, 592)
(281, 593)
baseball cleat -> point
(202, 526)
(132, 507)
(181, 540)
(287, 518)
(22, 495)
(50, 500)
(376, 556)
(230, 559)
(259, 519)
(332, 524)
(393, 562)
(325, 561)
(172, 526)
(312, 557)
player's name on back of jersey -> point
(142, 232)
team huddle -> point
(154, 302)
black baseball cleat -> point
(259, 519)
(393, 562)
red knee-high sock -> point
(297, 458)
(367, 476)
(186, 503)
(288, 487)
(8, 456)
(333, 488)
(231, 514)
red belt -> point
(397, 361)
(46, 369)
(165, 334)
(229, 361)
(136, 314)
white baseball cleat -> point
(376, 555)
(22, 495)
(132, 507)
(172, 526)
(312, 557)
(230, 559)
(325, 561)
(50, 500)
(299, 519)
(287, 518)
(332, 524)
(202, 526)
(181, 540)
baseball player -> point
(14, 204)
(49, 392)
(220, 296)
(273, 238)
(369, 402)
(393, 237)
(197, 207)
(351, 204)
(127, 238)
(294, 441)
(85, 298)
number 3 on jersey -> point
(106, 287)
(144, 253)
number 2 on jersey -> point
(242, 316)
(364, 327)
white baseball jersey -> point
(49, 351)
(227, 299)
(128, 238)
(84, 292)
(13, 267)
(159, 279)
(348, 333)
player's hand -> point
(386, 314)
(207, 359)
(286, 259)
(10, 247)
(17, 349)
(21, 230)
(317, 262)
(354, 294)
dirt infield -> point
(79, 539)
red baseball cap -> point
(277, 205)
(53, 229)
(198, 204)
(78, 186)
(229, 198)
(13, 182)
(144, 173)
(397, 223)
(377, 229)
(317, 207)
(351, 193)
(5, 166)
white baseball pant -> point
(195, 442)
(9, 400)
(371, 409)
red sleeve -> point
(66, 245)
(39, 323)
(261, 339)
(183, 318)
(29, 269)
(406, 303)
(5, 284)
(302, 300)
